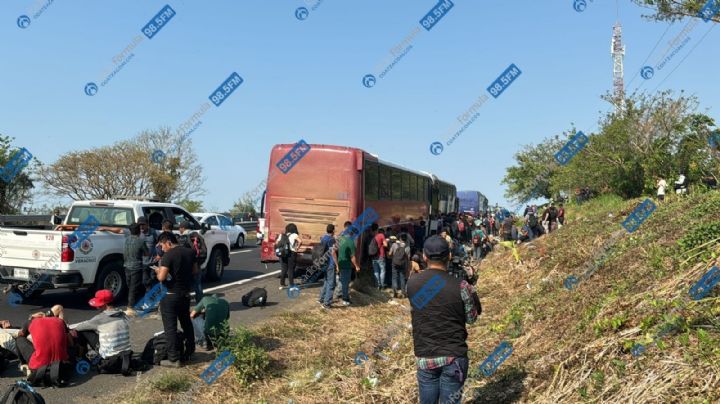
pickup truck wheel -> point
(240, 241)
(215, 269)
(112, 277)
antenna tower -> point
(617, 49)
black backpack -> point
(399, 258)
(552, 214)
(373, 248)
(256, 297)
(156, 349)
(282, 246)
(21, 393)
(52, 375)
(319, 250)
(532, 220)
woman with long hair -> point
(288, 263)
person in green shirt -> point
(216, 311)
(477, 237)
(345, 262)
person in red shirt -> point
(49, 343)
(378, 260)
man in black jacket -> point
(441, 306)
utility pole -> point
(617, 49)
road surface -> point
(244, 273)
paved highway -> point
(244, 273)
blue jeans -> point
(379, 271)
(197, 287)
(444, 384)
(329, 287)
(345, 275)
(398, 279)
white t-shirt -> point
(293, 239)
(661, 187)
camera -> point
(457, 268)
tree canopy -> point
(128, 168)
(654, 136)
(16, 192)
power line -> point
(683, 59)
(637, 72)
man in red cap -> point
(108, 333)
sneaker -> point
(25, 369)
(326, 306)
(281, 287)
(346, 303)
(169, 364)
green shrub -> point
(251, 361)
(173, 382)
(697, 236)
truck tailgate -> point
(25, 248)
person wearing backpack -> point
(107, 334)
(329, 268)
(47, 356)
(550, 216)
(346, 261)
(194, 241)
(376, 252)
(477, 236)
(287, 246)
(400, 255)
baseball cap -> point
(142, 220)
(102, 297)
(436, 247)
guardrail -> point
(249, 226)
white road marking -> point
(240, 252)
(241, 282)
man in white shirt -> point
(661, 185)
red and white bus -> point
(334, 184)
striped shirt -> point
(114, 330)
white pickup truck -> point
(26, 255)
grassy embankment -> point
(568, 345)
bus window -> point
(406, 186)
(385, 190)
(413, 187)
(371, 181)
(396, 185)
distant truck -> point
(472, 202)
(44, 257)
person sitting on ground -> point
(108, 333)
(48, 349)
(8, 350)
(215, 311)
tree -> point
(245, 204)
(191, 206)
(532, 177)
(671, 10)
(125, 168)
(16, 192)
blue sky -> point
(303, 78)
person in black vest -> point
(441, 306)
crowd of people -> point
(47, 348)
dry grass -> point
(568, 346)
